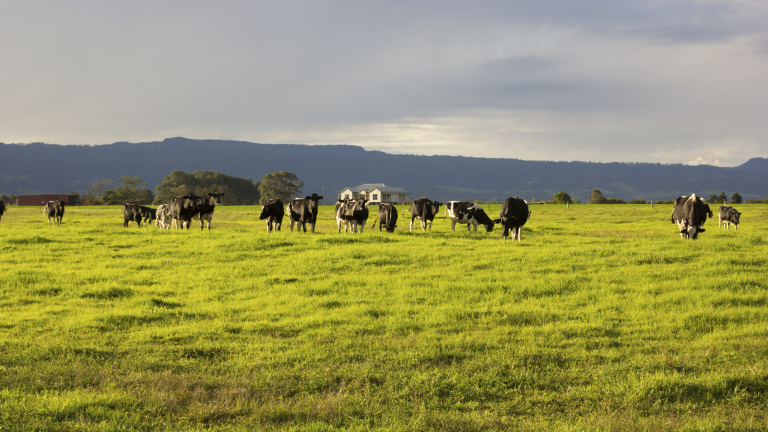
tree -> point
(736, 198)
(236, 190)
(597, 197)
(96, 191)
(723, 198)
(563, 198)
(713, 199)
(279, 184)
(129, 190)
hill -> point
(51, 168)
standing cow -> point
(690, 213)
(468, 213)
(2, 209)
(425, 210)
(303, 211)
(138, 213)
(54, 210)
(205, 207)
(728, 216)
(273, 212)
(183, 209)
(163, 216)
(353, 214)
(514, 214)
(387, 217)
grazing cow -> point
(690, 213)
(183, 209)
(728, 216)
(148, 214)
(387, 217)
(353, 214)
(2, 209)
(468, 213)
(131, 212)
(205, 207)
(273, 212)
(303, 211)
(514, 214)
(425, 210)
(163, 216)
(54, 210)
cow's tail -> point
(404, 211)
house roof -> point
(381, 187)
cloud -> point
(595, 80)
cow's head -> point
(270, 208)
(314, 198)
(216, 196)
(436, 207)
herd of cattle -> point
(689, 213)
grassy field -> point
(601, 319)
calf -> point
(273, 212)
(205, 207)
(354, 214)
(338, 213)
(303, 211)
(468, 213)
(387, 217)
(163, 216)
(513, 215)
(183, 209)
(54, 210)
(425, 210)
(2, 209)
(728, 216)
(690, 213)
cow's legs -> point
(519, 234)
(411, 226)
(718, 222)
(453, 225)
(362, 225)
(430, 226)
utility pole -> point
(323, 195)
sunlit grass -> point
(601, 319)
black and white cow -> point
(303, 211)
(728, 216)
(54, 210)
(468, 213)
(2, 209)
(387, 217)
(425, 210)
(273, 212)
(163, 216)
(353, 214)
(690, 213)
(513, 215)
(183, 209)
(205, 207)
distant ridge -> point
(50, 168)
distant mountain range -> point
(50, 168)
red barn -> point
(35, 200)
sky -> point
(591, 80)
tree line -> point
(236, 190)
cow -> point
(163, 216)
(425, 210)
(338, 213)
(273, 212)
(2, 209)
(183, 209)
(513, 215)
(54, 210)
(728, 216)
(387, 217)
(468, 213)
(690, 213)
(205, 207)
(303, 211)
(354, 214)
(131, 212)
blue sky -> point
(644, 81)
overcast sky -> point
(644, 81)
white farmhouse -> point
(376, 193)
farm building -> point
(34, 200)
(376, 193)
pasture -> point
(601, 319)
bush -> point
(637, 201)
(614, 201)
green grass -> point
(601, 319)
